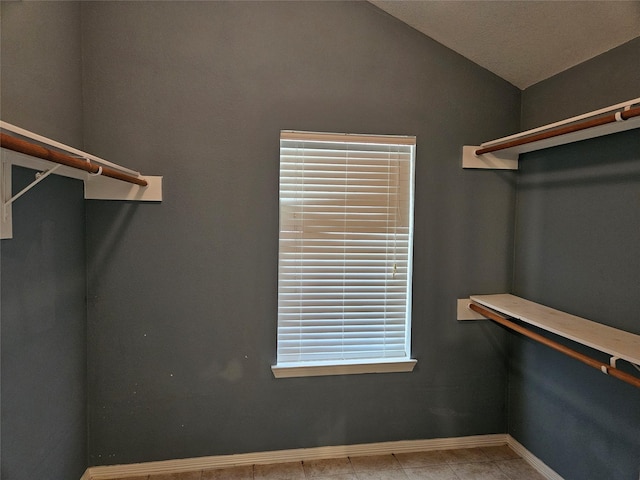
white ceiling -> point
(523, 41)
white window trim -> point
(350, 368)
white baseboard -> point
(532, 460)
(316, 453)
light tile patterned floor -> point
(487, 463)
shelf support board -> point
(6, 217)
(465, 313)
(488, 161)
(105, 188)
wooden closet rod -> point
(592, 362)
(611, 118)
(28, 148)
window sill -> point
(317, 370)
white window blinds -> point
(344, 271)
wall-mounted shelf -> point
(503, 153)
(103, 180)
(619, 344)
(612, 341)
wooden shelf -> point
(615, 342)
(506, 158)
(113, 184)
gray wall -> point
(182, 294)
(578, 250)
(43, 306)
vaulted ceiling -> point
(523, 41)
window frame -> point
(380, 364)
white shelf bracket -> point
(40, 176)
(6, 202)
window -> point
(345, 251)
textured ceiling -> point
(523, 42)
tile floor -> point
(486, 463)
